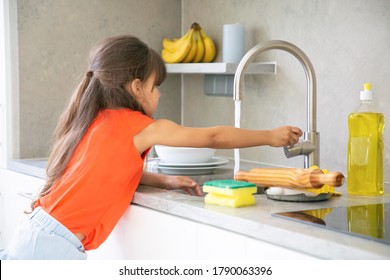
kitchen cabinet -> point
(143, 233)
(16, 192)
(2, 244)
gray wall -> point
(348, 43)
(55, 37)
(346, 40)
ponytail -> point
(66, 142)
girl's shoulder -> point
(133, 119)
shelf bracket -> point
(218, 85)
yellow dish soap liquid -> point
(365, 147)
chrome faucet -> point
(309, 147)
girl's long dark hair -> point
(113, 63)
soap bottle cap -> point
(366, 94)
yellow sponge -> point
(229, 193)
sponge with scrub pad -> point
(229, 193)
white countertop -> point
(258, 222)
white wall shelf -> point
(220, 68)
(219, 76)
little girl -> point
(100, 145)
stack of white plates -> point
(192, 168)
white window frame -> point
(9, 82)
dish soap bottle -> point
(365, 147)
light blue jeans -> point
(41, 237)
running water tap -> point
(308, 147)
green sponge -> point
(229, 193)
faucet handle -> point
(304, 147)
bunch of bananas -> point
(195, 46)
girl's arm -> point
(171, 182)
(165, 132)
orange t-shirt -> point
(101, 177)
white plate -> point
(215, 161)
(187, 170)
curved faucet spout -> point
(311, 136)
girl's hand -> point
(171, 182)
(182, 182)
(285, 136)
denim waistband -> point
(51, 224)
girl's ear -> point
(134, 88)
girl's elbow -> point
(219, 141)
